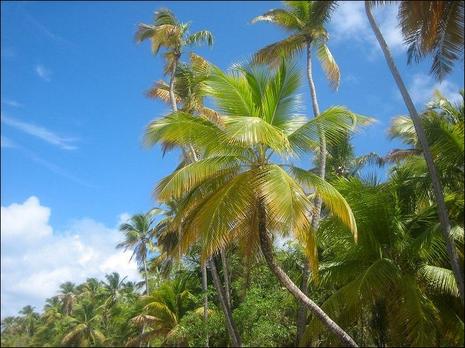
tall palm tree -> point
(190, 92)
(236, 193)
(436, 183)
(137, 232)
(166, 31)
(304, 21)
(433, 28)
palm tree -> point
(235, 193)
(84, 330)
(137, 232)
(29, 319)
(304, 21)
(164, 308)
(433, 28)
(168, 32)
(398, 267)
(190, 91)
(113, 287)
(67, 296)
(436, 183)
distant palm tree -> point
(67, 296)
(29, 319)
(166, 31)
(436, 183)
(164, 308)
(137, 232)
(84, 327)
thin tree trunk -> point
(231, 326)
(437, 188)
(146, 278)
(174, 106)
(205, 302)
(224, 263)
(302, 312)
(267, 250)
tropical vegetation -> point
(249, 245)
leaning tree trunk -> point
(437, 188)
(224, 264)
(231, 326)
(302, 313)
(174, 106)
(267, 250)
(205, 302)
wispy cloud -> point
(47, 32)
(422, 87)
(43, 72)
(11, 102)
(349, 22)
(41, 133)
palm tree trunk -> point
(205, 302)
(302, 313)
(231, 326)
(146, 278)
(302, 310)
(224, 263)
(437, 188)
(174, 106)
(267, 250)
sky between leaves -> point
(73, 113)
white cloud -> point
(44, 73)
(423, 86)
(41, 133)
(36, 259)
(349, 23)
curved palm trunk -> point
(267, 250)
(437, 188)
(231, 326)
(224, 264)
(205, 302)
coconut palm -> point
(29, 319)
(398, 268)
(190, 92)
(137, 232)
(437, 186)
(163, 309)
(166, 31)
(304, 23)
(236, 193)
(67, 296)
(433, 28)
(84, 328)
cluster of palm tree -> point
(366, 262)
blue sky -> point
(74, 111)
